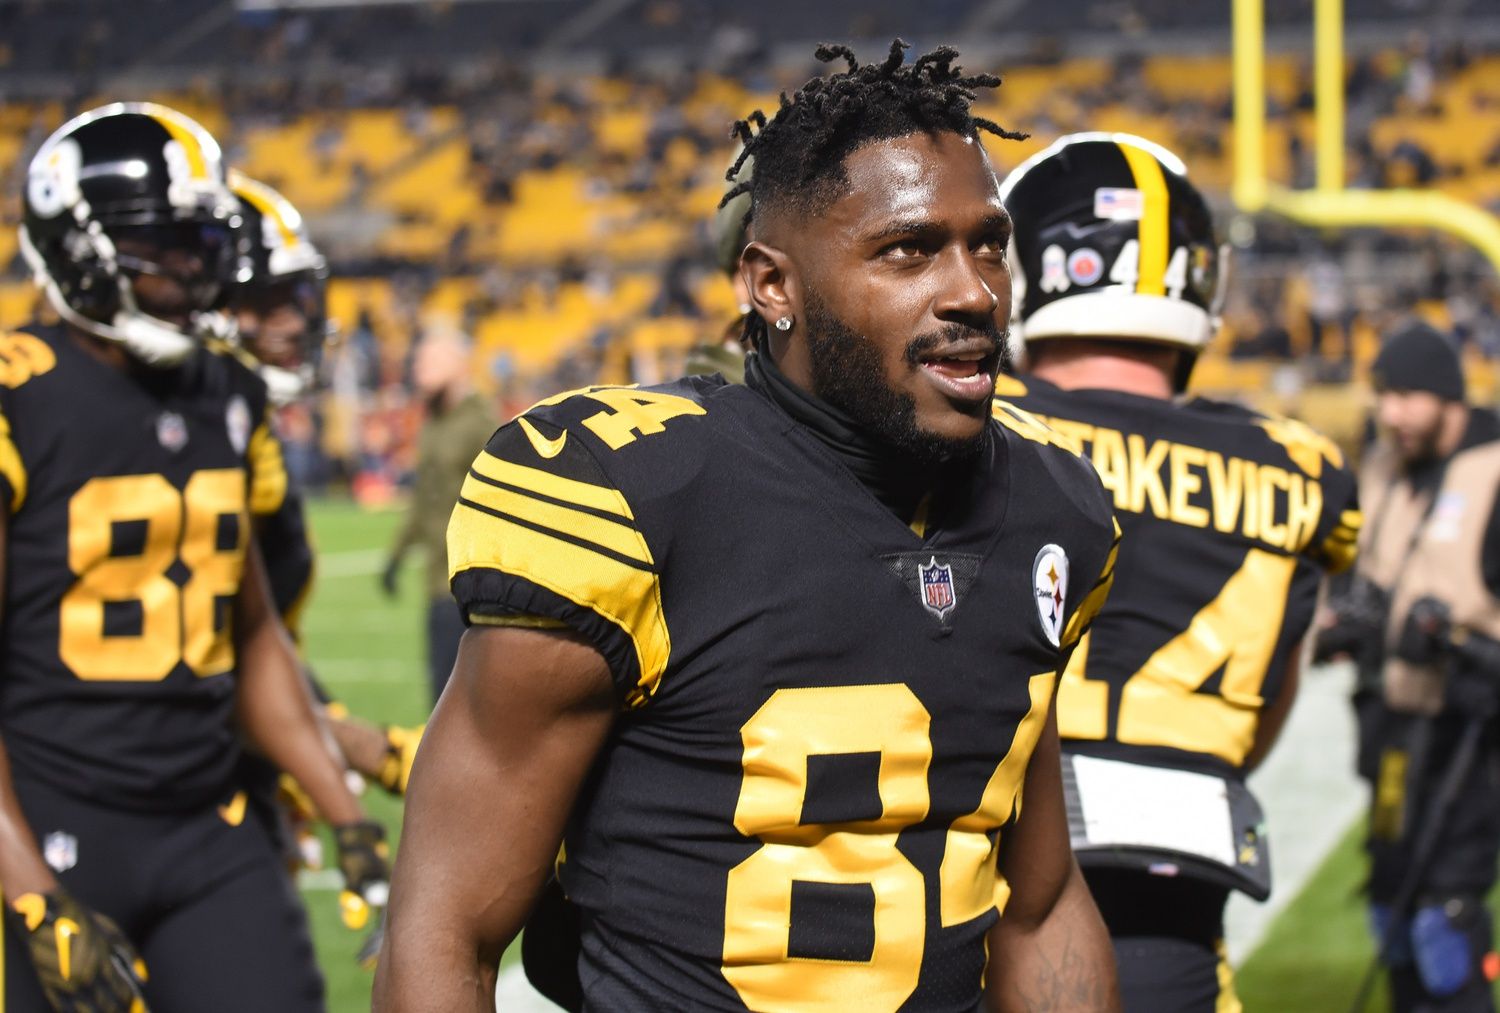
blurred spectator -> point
(458, 424)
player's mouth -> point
(965, 371)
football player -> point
(140, 641)
(1230, 520)
(776, 661)
(278, 300)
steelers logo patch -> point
(1049, 582)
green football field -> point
(368, 650)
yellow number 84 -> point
(796, 724)
(175, 623)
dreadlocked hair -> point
(798, 154)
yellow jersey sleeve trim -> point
(545, 483)
(518, 622)
(1340, 548)
(11, 466)
(517, 532)
(616, 536)
(268, 480)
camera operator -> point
(1431, 549)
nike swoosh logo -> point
(65, 929)
(234, 812)
(543, 446)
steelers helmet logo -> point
(1049, 582)
(52, 182)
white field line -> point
(1311, 796)
(514, 994)
(350, 563)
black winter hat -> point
(1419, 357)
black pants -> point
(1168, 935)
(208, 905)
(445, 625)
(1405, 777)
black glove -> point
(388, 577)
(1425, 635)
(86, 965)
(367, 876)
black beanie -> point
(1419, 357)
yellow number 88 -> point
(175, 623)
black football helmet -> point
(1112, 241)
(136, 170)
(279, 265)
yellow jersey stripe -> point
(566, 490)
(620, 539)
(183, 135)
(624, 594)
(11, 466)
(1227, 1001)
(268, 481)
(1028, 426)
(1088, 609)
(1152, 228)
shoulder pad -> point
(22, 357)
(1029, 427)
(617, 416)
(1307, 447)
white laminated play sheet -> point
(1131, 805)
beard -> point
(848, 374)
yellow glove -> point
(85, 963)
(395, 769)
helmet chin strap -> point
(283, 386)
(152, 340)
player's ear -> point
(771, 281)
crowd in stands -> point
(560, 220)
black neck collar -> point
(896, 479)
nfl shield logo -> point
(937, 587)
(60, 849)
(171, 431)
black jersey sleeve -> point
(22, 356)
(12, 469)
(542, 532)
(268, 477)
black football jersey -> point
(1230, 517)
(827, 714)
(128, 500)
(286, 546)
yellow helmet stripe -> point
(1152, 228)
(256, 196)
(185, 136)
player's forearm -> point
(278, 714)
(1062, 962)
(433, 972)
(1273, 717)
(22, 869)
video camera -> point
(1472, 660)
